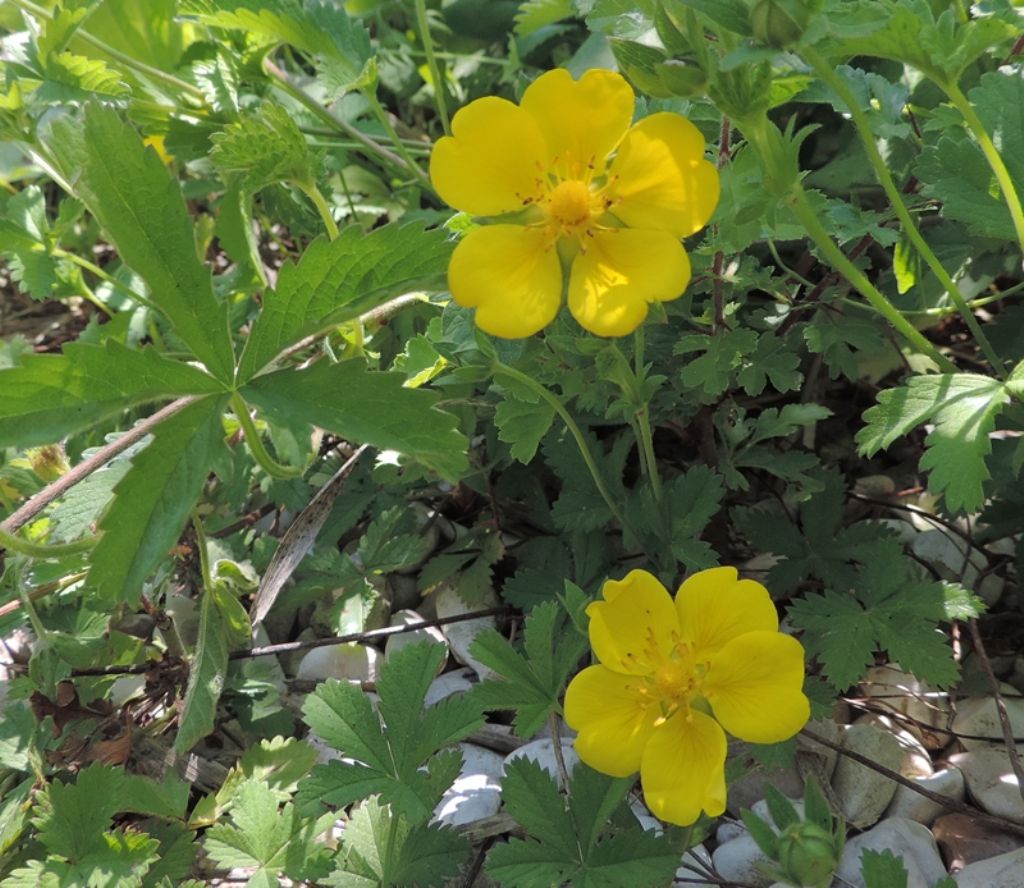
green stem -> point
(828, 75)
(15, 543)
(102, 275)
(992, 155)
(311, 191)
(801, 206)
(252, 438)
(87, 294)
(643, 416)
(204, 555)
(435, 70)
(178, 85)
(281, 80)
(384, 121)
(577, 434)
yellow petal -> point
(753, 685)
(613, 729)
(510, 275)
(582, 120)
(635, 626)
(494, 160)
(622, 271)
(660, 179)
(683, 769)
(714, 607)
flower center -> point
(570, 206)
(675, 682)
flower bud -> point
(780, 22)
(48, 462)
(808, 854)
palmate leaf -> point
(365, 406)
(274, 841)
(51, 396)
(388, 758)
(340, 46)
(530, 684)
(153, 500)
(381, 848)
(133, 196)
(335, 281)
(575, 845)
(964, 408)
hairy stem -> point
(435, 69)
(828, 75)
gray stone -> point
(416, 636)
(740, 860)
(914, 705)
(476, 792)
(448, 603)
(912, 805)
(910, 841)
(1004, 871)
(543, 753)
(977, 719)
(864, 793)
(991, 782)
(458, 681)
(345, 662)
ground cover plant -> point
(519, 443)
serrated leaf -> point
(51, 396)
(206, 676)
(964, 407)
(381, 848)
(523, 426)
(369, 407)
(732, 15)
(272, 841)
(340, 46)
(536, 14)
(337, 280)
(153, 499)
(262, 148)
(720, 356)
(530, 684)
(575, 846)
(388, 763)
(140, 206)
(882, 869)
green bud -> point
(780, 23)
(808, 854)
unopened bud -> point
(808, 854)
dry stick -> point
(939, 799)
(719, 261)
(293, 646)
(101, 457)
(1004, 719)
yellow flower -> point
(608, 201)
(673, 674)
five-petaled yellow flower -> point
(673, 674)
(607, 201)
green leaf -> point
(388, 763)
(530, 684)
(964, 408)
(761, 833)
(364, 406)
(733, 15)
(523, 426)
(207, 670)
(575, 845)
(52, 396)
(382, 849)
(153, 499)
(536, 14)
(891, 609)
(337, 280)
(140, 206)
(340, 46)
(24, 235)
(721, 355)
(273, 841)
(882, 869)
(693, 499)
(263, 148)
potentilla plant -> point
(512, 315)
